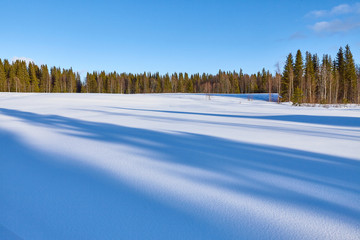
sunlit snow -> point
(177, 166)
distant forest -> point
(309, 81)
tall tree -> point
(316, 62)
(326, 80)
(45, 81)
(309, 78)
(340, 67)
(299, 71)
(3, 85)
(287, 79)
(350, 78)
(34, 82)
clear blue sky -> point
(175, 36)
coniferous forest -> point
(305, 79)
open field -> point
(176, 166)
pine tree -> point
(326, 79)
(55, 79)
(45, 81)
(309, 78)
(13, 80)
(180, 87)
(299, 71)
(287, 80)
(316, 62)
(340, 67)
(174, 82)
(3, 84)
(167, 84)
(350, 78)
(189, 84)
(235, 83)
(78, 83)
(159, 85)
(34, 82)
(22, 80)
(241, 81)
(297, 97)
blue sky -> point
(175, 36)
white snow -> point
(176, 166)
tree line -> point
(321, 81)
(20, 77)
(310, 81)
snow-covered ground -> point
(176, 166)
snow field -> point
(176, 166)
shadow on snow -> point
(76, 201)
(339, 121)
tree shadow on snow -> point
(339, 121)
(319, 132)
(64, 197)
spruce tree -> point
(13, 80)
(340, 67)
(34, 82)
(188, 83)
(309, 78)
(167, 84)
(287, 80)
(325, 79)
(350, 78)
(159, 85)
(316, 62)
(55, 79)
(299, 71)
(180, 87)
(2, 78)
(45, 83)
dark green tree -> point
(309, 78)
(350, 78)
(287, 79)
(3, 82)
(340, 68)
(299, 71)
(34, 82)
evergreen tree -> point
(340, 67)
(55, 79)
(159, 87)
(180, 87)
(189, 84)
(34, 82)
(45, 82)
(234, 83)
(297, 98)
(299, 71)
(3, 84)
(287, 80)
(241, 81)
(316, 62)
(350, 78)
(22, 80)
(309, 78)
(78, 83)
(13, 80)
(167, 84)
(326, 79)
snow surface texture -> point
(176, 166)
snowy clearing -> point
(176, 166)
